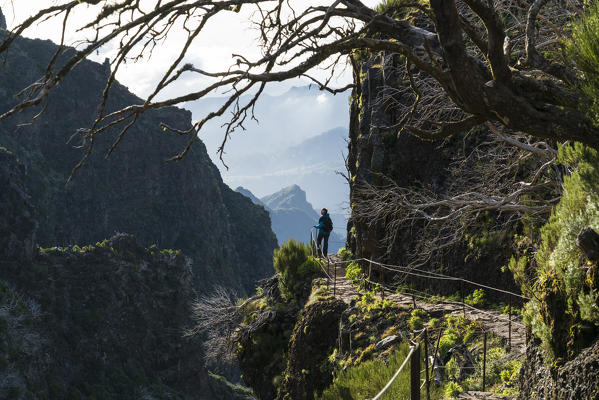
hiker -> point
(325, 226)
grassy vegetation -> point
(365, 380)
(354, 272)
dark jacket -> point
(320, 225)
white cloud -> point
(322, 98)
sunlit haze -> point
(225, 35)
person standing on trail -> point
(325, 226)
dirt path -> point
(496, 322)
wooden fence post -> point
(426, 381)
(382, 284)
(509, 337)
(462, 295)
(415, 374)
(484, 360)
(334, 279)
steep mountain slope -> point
(95, 322)
(182, 205)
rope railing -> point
(388, 385)
(416, 383)
(433, 275)
(455, 303)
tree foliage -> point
(583, 48)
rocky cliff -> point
(182, 205)
(104, 321)
(378, 155)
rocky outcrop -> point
(183, 205)
(378, 155)
(102, 321)
(575, 379)
(313, 340)
(17, 223)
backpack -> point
(327, 224)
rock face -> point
(314, 338)
(377, 153)
(102, 321)
(576, 379)
(182, 205)
(17, 223)
(114, 317)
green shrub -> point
(476, 298)
(453, 390)
(583, 49)
(345, 254)
(452, 369)
(509, 377)
(293, 263)
(448, 340)
(354, 272)
(562, 291)
(417, 317)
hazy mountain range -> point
(300, 139)
(292, 216)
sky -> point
(228, 34)
(213, 51)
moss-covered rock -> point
(314, 337)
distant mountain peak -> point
(293, 189)
(289, 197)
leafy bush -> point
(583, 49)
(448, 340)
(477, 298)
(453, 390)
(560, 276)
(293, 263)
(417, 318)
(354, 272)
(345, 254)
(509, 376)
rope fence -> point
(414, 354)
(431, 364)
